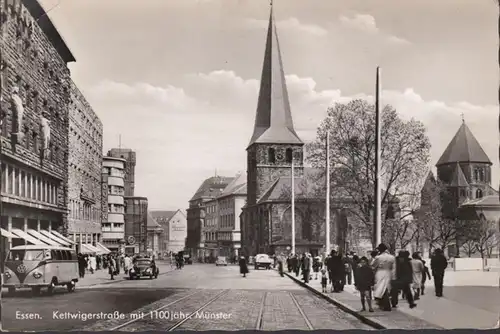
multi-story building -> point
(229, 207)
(113, 220)
(84, 171)
(136, 219)
(154, 233)
(34, 98)
(196, 227)
(129, 156)
(174, 224)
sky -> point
(178, 79)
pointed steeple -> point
(273, 122)
(464, 147)
(458, 179)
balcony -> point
(113, 235)
(116, 218)
(115, 199)
(116, 181)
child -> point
(425, 275)
(324, 280)
(365, 280)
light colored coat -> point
(385, 271)
(127, 263)
(418, 270)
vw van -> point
(36, 267)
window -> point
(479, 193)
(289, 155)
(272, 157)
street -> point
(199, 297)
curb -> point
(370, 322)
(115, 281)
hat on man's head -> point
(382, 248)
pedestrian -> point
(92, 264)
(316, 266)
(112, 267)
(383, 265)
(98, 261)
(365, 281)
(81, 265)
(425, 275)
(418, 271)
(324, 280)
(348, 267)
(305, 267)
(280, 265)
(243, 266)
(439, 263)
(373, 255)
(127, 262)
(404, 278)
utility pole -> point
(327, 206)
(293, 210)
(377, 224)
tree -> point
(404, 155)
(487, 238)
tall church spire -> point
(273, 122)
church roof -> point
(273, 121)
(458, 179)
(237, 187)
(151, 222)
(212, 187)
(464, 147)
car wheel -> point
(150, 276)
(70, 287)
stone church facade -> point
(266, 219)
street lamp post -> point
(293, 209)
(327, 206)
(377, 226)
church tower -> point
(464, 168)
(274, 143)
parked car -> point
(221, 261)
(143, 267)
(263, 261)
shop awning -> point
(56, 239)
(43, 238)
(7, 234)
(60, 236)
(103, 248)
(23, 235)
(87, 249)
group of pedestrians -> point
(89, 263)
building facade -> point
(174, 224)
(196, 214)
(34, 99)
(84, 171)
(113, 220)
(136, 219)
(154, 237)
(129, 156)
(229, 207)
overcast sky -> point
(178, 79)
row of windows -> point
(211, 208)
(82, 210)
(88, 125)
(479, 193)
(225, 236)
(112, 171)
(227, 221)
(272, 155)
(479, 175)
(18, 182)
(210, 222)
(87, 238)
(211, 236)
(116, 190)
(116, 208)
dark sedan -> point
(144, 268)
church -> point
(266, 219)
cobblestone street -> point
(199, 297)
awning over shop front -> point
(87, 249)
(43, 238)
(60, 236)
(7, 234)
(23, 235)
(54, 238)
(103, 248)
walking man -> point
(438, 266)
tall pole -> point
(378, 198)
(327, 206)
(293, 210)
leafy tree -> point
(404, 156)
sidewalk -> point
(431, 312)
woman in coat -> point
(384, 265)
(243, 266)
(112, 267)
(418, 271)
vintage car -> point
(221, 261)
(143, 267)
(263, 261)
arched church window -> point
(476, 174)
(462, 192)
(272, 156)
(289, 155)
(479, 193)
(481, 175)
